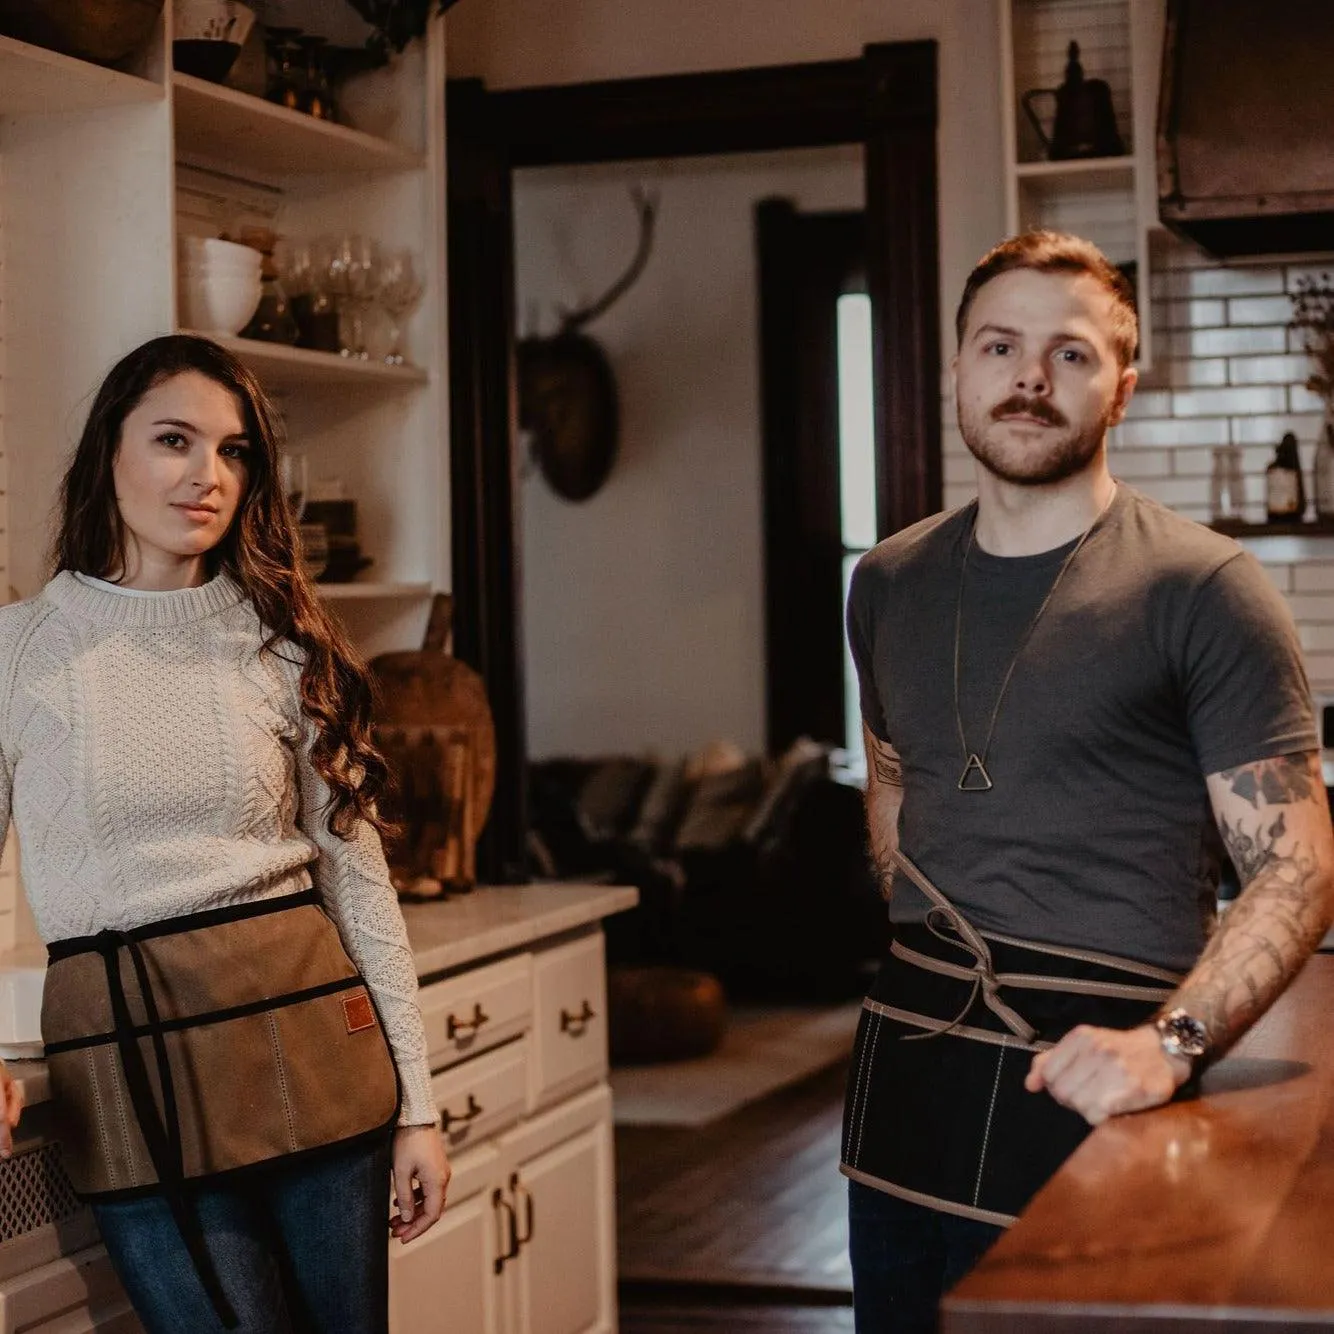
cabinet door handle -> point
(456, 1027)
(448, 1118)
(520, 1191)
(576, 1024)
(509, 1237)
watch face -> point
(1186, 1034)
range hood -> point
(1246, 125)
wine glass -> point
(294, 476)
(357, 270)
(401, 289)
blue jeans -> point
(904, 1257)
(302, 1248)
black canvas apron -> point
(936, 1111)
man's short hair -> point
(1058, 252)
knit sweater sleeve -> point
(353, 880)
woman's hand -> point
(13, 1099)
(419, 1151)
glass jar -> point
(1323, 471)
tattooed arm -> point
(1275, 822)
(1274, 818)
(884, 797)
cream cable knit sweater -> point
(157, 763)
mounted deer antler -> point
(646, 205)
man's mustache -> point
(1037, 408)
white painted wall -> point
(518, 43)
(643, 606)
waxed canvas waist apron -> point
(207, 1046)
(936, 1110)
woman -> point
(185, 738)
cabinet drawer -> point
(477, 1010)
(570, 1018)
(484, 1095)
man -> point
(1076, 703)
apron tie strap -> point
(161, 1132)
(967, 936)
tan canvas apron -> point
(207, 1046)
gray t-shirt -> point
(1164, 656)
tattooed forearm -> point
(1275, 825)
(1251, 853)
(888, 768)
(1284, 778)
(1264, 939)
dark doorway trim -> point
(885, 100)
(806, 261)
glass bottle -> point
(284, 82)
(1227, 487)
(1324, 466)
(1285, 494)
(273, 321)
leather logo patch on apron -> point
(358, 1013)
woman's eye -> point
(236, 451)
(1074, 355)
(172, 439)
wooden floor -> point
(738, 1225)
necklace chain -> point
(975, 777)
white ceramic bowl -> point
(214, 248)
(206, 272)
(218, 305)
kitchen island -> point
(1211, 1213)
(513, 996)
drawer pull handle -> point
(520, 1191)
(509, 1233)
(576, 1024)
(447, 1118)
(456, 1027)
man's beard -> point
(1051, 457)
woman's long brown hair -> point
(260, 551)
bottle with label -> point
(1324, 467)
(1285, 495)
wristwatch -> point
(1181, 1034)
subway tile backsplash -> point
(1227, 370)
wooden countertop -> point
(1217, 1213)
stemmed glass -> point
(401, 288)
(358, 269)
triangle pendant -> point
(974, 777)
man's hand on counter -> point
(13, 1096)
(1102, 1072)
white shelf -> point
(1079, 171)
(367, 591)
(258, 140)
(282, 367)
(34, 80)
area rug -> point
(766, 1048)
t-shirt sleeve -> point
(861, 641)
(1246, 692)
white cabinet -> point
(446, 1278)
(563, 1280)
(74, 1293)
(527, 1242)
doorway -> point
(885, 101)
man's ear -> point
(1125, 390)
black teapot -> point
(1085, 125)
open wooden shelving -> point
(233, 131)
(282, 367)
(35, 81)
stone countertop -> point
(492, 920)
